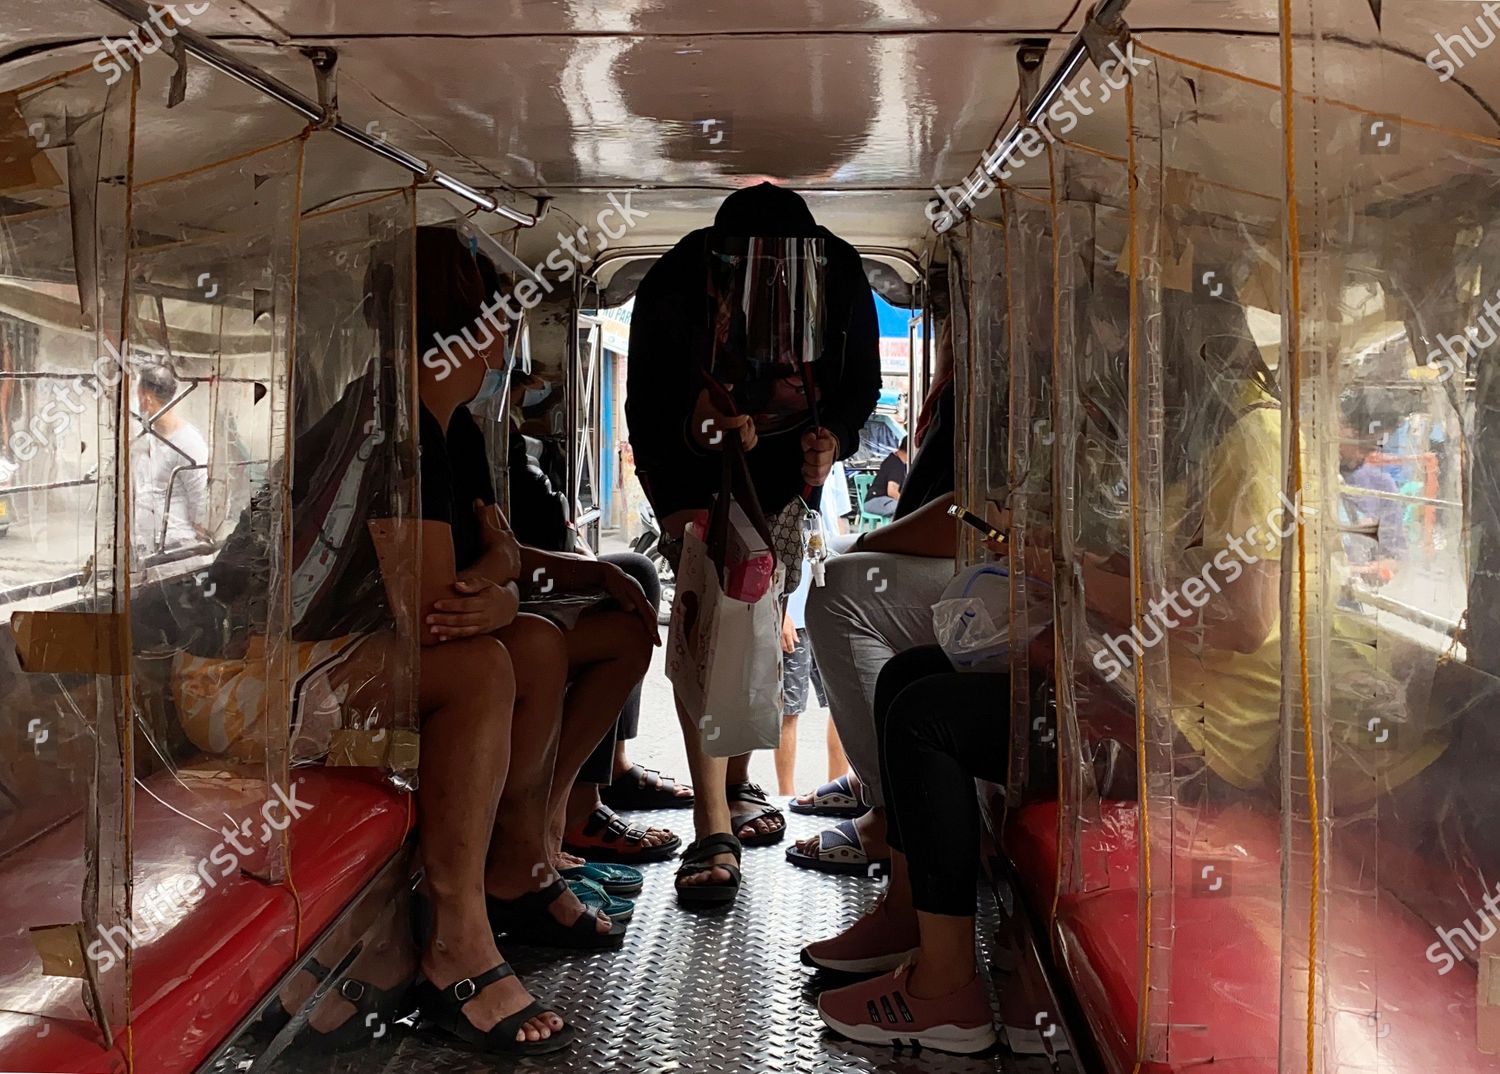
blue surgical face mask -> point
(492, 385)
(533, 396)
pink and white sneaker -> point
(882, 1011)
(877, 943)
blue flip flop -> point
(597, 899)
(615, 879)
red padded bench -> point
(1226, 953)
(200, 975)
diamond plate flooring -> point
(696, 993)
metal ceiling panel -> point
(865, 105)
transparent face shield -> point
(768, 324)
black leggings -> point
(939, 731)
(600, 766)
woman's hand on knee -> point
(480, 607)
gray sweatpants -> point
(871, 607)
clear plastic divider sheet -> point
(984, 388)
(1393, 914)
(213, 260)
(354, 540)
(64, 818)
(1209, 522)
(1090, 527)
(1027, 475)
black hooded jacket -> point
(664, 375)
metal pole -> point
(1105, 14)
(226, 62)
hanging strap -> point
(735, 471)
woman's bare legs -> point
(608, 653)
(710, 802)
(518, 860)
(466, 691)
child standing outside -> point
(800, 667)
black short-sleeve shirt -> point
(893, 468)
(455, 473)
(931, 471)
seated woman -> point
(569, 683)
(938, 733)
(1219, 618)
(490, 682)
(938, 730)
(855, 628)
(580, 819)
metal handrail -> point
(1106, 14)
(226, 62)
(12, 490)
(166, 511)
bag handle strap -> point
(735, 471)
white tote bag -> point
(724, 655)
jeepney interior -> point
(1330, 169)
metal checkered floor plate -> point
(695, 993)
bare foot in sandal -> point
(756, 822)
(710, 871)
(566, 909)
(448, 960)
(870, 829)
(605, 836)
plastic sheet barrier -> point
(207, 423)
(1250, 434)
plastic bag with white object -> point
(972, 620)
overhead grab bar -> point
(226, 62)
(1106, 16)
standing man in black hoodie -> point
(680, 414)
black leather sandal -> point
(698, 859)
(607, 837)
(751, 794)
(636, 789)
(443, 1009)
(528, 919)
(355, 1031)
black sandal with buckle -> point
(528, 919)
(644, 788)
(697, 859)
(608, 838)
(751, 794)
(443, 1008)
(353, 1032)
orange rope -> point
(1059, 652)
(211, 165)
(1091, 151)
(1294, 375)
(284, 772)
(1137, 538)
(1236, 76)
(49, 81)
(1350, 106)
(399, 191)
